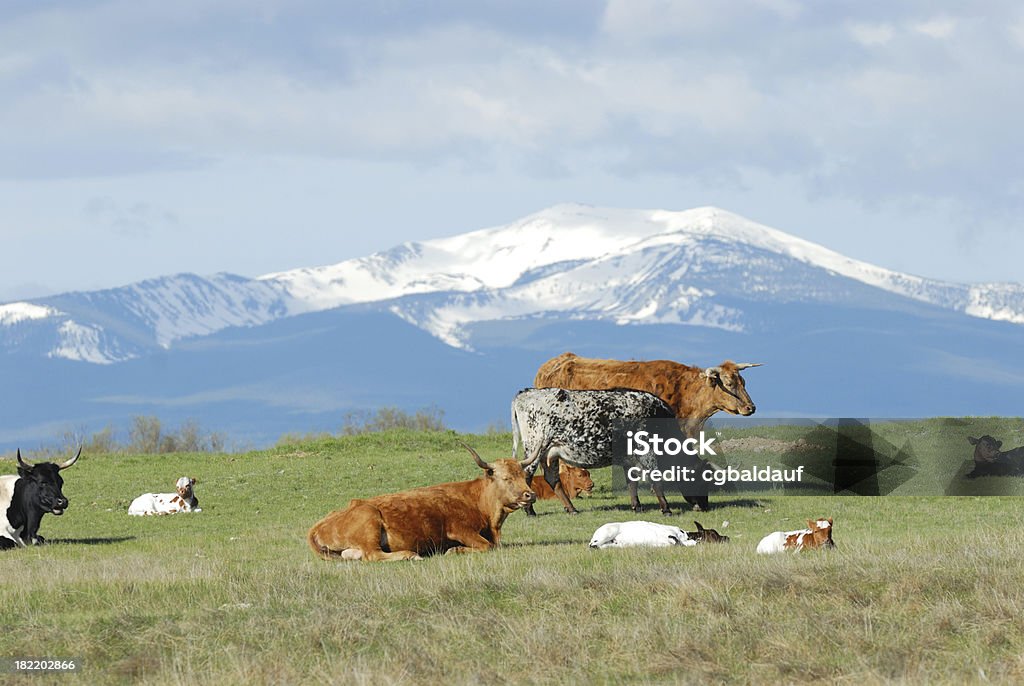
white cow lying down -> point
(627, 534)
(167, 503)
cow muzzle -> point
(747, 410)
(59, 507)
(528, 498)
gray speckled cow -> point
(583, 427)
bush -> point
(147, 435)
(385, 418)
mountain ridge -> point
(619, 265)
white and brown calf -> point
(818, 534)
(184, 500)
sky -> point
(142, 138)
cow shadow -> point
(89, 541)
(677, 507)
(750, 503)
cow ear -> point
(811, 524)
(972, 441)
(829, 520)
(999, 445)
(699, 527)
(193, 481)
(710, 375)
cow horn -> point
(544, 445)
(480, 463)
(65, 465)
(22, 463)
(744, 365)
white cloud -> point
(870, 35)
(937, 27)
(646, 19)
(1016, 31)
(855, 103)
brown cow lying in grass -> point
(457, 517)
(575, 481)
(990, 460)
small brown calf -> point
(575, 481)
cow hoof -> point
(667, 513)
(572, 512)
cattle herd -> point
(566, 424)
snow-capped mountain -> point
(462, 323)
(703, 267)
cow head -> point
(729, 388)
(702, 535)
(184, 487)
(986, 448)
(43, 483)
(507, 479)
(575, 480)
(821, 534)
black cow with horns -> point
(26, 497)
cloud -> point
(872, 34)
(937, 27)
(876, 103)
(137, 220)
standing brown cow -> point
(458, 517)
(693, 393)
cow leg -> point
(30, 534)
(634, 500)
(699, 503)
(660, 495)
(529, 471)
(460, 549)
(398, 555)
(8, 543)
(472, 541)
(551, 476)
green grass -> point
(920, 589)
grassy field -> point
(919, 589)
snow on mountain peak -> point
(692, 267)
(13, 313)
(498, 257)
(600, 263)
